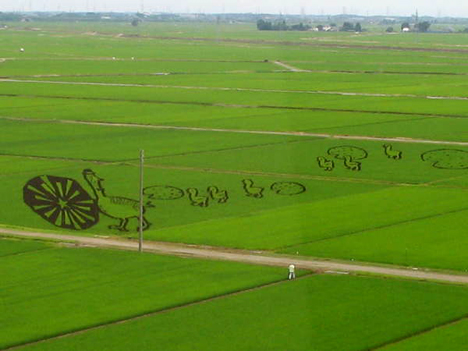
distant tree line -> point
(350, 27)
(418, 27)
(281, 25)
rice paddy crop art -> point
(64, 203)
(250, 144)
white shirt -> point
(291, 268)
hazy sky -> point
(379, 7)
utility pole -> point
(140, 228)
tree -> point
(405, 25)
(423, 26)
(135, 22)
(389, 30)
(320, 28)
(347, 27)
(358, 27)
(264, 25)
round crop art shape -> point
(348, 152)
(447, 158)
(61, 201)
(164, 192)
(288, 188)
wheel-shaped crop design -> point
(61, 201)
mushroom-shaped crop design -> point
(61, 201)
(347, 152)
(447, 158)
(163, 192)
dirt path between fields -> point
(158, 86)
(252, 257)
(289, 67)
(242, 131)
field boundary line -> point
(235, 172)
(243, 131)
(281, 175)
(251, 257)
(187, 87)
(25, 252)
(421, 332)
(153, 313)
(365, 230)
(227, 105)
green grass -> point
(387, 196)
(451, 337)
(14, 247)
(319, 220)
(101, 143)
(316, 313)
(438, 241)
(270, 119)
(107, 65)
(398, 105)
(50, 292)
(300, 82)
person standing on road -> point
(292, 272)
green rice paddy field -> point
(221, 113)
(339, 146)
(143, 302)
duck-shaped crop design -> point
(349, 154)
(196, 199)
(327, 165)
(251, 190)
(218, 195)
(352, 165)
(394, 154)
(117, 207)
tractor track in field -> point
(251, 257)
(311, 92)
(226, 105)
(150, 314)
(242, 131)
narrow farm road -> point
(289, 67)
(252, 257)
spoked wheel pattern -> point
(62, 202)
